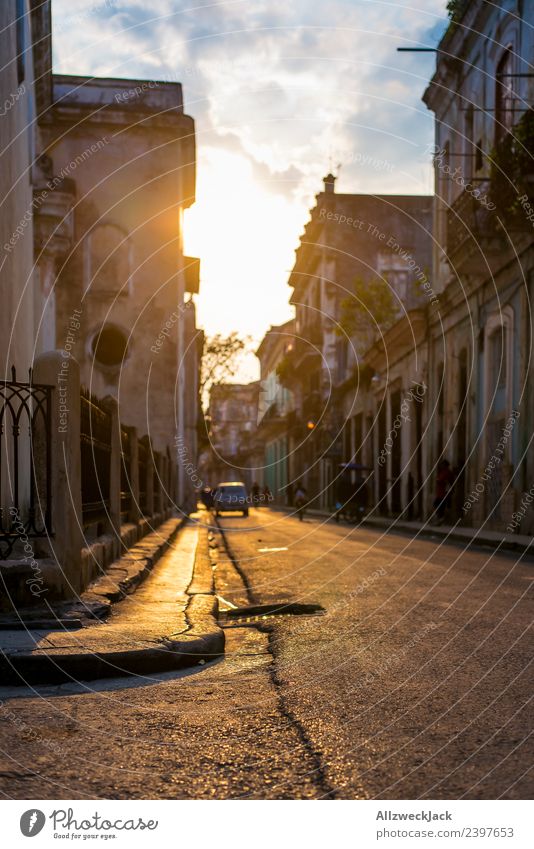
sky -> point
(282, 91)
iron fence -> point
(95, 445)
(156, 486)
(126, 465)
(142, 461)
(25, 462)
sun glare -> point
(245, 233)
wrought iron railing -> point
(25, 462)
(126, 465)
(142, 464)
(468, 220)
(157, 482)
(95, 444)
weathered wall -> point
(126, 151)
(17, 145)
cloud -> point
(291, 88)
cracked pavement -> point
(415, 683)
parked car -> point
(231, 495)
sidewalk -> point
(469, 536)
(169, 622)
(450, 533)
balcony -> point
(303, 356)
(478, 238)
(512, 175)
(474, 239)
(54, 219)
(308, 346)
(192, 274)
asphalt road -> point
(416, 682)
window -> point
(342, 357)
(440, 409)
(21, 40)
(444, 165)
(479, 159)
(393, 269)
(462, 405)
(110, 346)
(498, 366)
(468, 146)
(504, 96)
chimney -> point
(329, 182)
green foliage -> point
(512, 166)
(455, 9)
(371, 306)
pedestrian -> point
(255, 492)
(206, 496)
(289, 495)
(444, 481)
(342, 496)
(301, 498)
(267, 494)
(358, 499)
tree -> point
(455, 9)
(512, 170)
(370, 307)
(221, 357)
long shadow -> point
(82, 688)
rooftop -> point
(135, 94)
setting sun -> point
(232, 227)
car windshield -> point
(236, 491)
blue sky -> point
(281, 90)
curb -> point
(124, 575)
(24, 669)
(203, 641)
(468, 536)
(119, 579)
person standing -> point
(289, 495)
(301, 498)
(255, 492)
(444, 481)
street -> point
(414, 682)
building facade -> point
(95, 178)
(234, 452)
(479, 360)
(25, 94)
(129, 149)
(276, 409)
(447, 375)
(363, 265)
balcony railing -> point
(473, 236)
(468, 218)
(308, 343)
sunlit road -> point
(416, 682)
